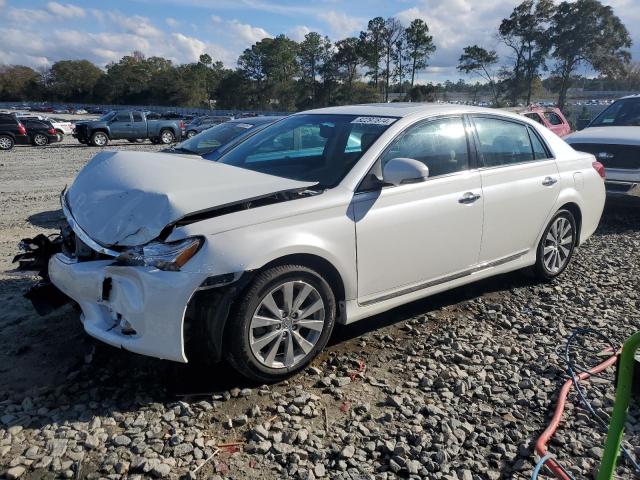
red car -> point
(552, 118)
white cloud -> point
(340, 24)
(27, 16)
(172, 22)
(134, 24)
(65, 10)
(247, 33)
(298, 32)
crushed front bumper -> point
(140, 309)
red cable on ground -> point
(541, 444)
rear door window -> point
(137, 117)
(503, 142)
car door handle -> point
(468, 198)
(547, 182)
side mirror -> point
(399, 171)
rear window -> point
(8, 120)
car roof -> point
(399, 109)
(635, 95)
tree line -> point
(382, 63)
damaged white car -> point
(326, 216)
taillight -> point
(21, 129)
(181, 125)
(598, 167)
(51, 131)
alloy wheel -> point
(100, 139)
(167, 137)
(5, 143)
(557, 245)
(40, 140)
(287, 324)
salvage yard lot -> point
(457, 386)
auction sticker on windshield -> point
(374, 120)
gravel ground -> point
(457, 386)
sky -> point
(40, 32)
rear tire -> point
(6, 142)
(265, 341)
(167, 137)
(556, 246)
(60, 135)
(40, 140)
(99, 139)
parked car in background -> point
(216, 140)
(127, 125)
(63, 127)
(200, 124)
(552, 118)
(331, 215)
(614, 138)
(40, 132)
(12, 132)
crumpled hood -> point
(128, 198)
(606, 135)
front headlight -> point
(164, 256)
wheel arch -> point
(321, 265)
(217, 305)
(104, 130)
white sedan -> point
(326, 216)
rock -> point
(15, 472)
(183, 449)
(348, 451)
(161, 470)
(240, 420)
(121, 440)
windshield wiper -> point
(185, 150)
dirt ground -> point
(31, 180)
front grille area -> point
(612, 155)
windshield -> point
(107, 116)
(623, 113)
(311, 148)
(214, 137)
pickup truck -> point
(613, 137)
(128, 125)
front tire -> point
(556, 246)
(191, 133)
(99, 139)
(283, 321)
